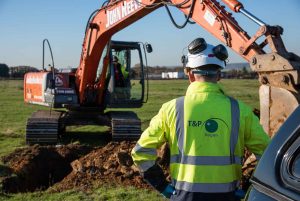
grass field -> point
(13, 115)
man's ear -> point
(189, 73)
(191, 76)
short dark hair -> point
(209, 71)
(209, 67)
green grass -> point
(101, 194)
(14, 113)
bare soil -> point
(69, 166)
(38, 167)
(111, 164)
(81, 167)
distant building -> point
(153, 76)
(172, 75)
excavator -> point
(124, 88)
(88, 91)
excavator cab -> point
(126, 75)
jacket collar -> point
(204, 87)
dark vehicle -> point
(277, 176)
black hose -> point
(179, 5)
(104, 4)
(92, 15)
(189, 21)
(187, 17)
(87, 25)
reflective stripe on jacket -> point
(207, 132)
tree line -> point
(243, 73)
(15, 71)
(238, 73)
(135, 72)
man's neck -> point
(202, 79)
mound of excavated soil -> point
(110, 164)
(74, 166)
(38, 167)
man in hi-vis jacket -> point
(206, 131)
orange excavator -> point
(92, 88)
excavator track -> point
(125, 126)
(43, 127)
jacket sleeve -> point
(144, 153)
(256, 139)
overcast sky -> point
(24, 25)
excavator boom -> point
(278, 70)
(116, 15)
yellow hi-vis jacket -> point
(207, 132)
(124, 72)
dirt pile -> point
(38, 167)
(74, 166)
(111, 164)
(248, 168)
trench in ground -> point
(39, 167)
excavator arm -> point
(111, 18)
(278, 70)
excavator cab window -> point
(126, 75)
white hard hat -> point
(204, 57)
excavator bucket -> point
(276, 106)
(279, 92)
